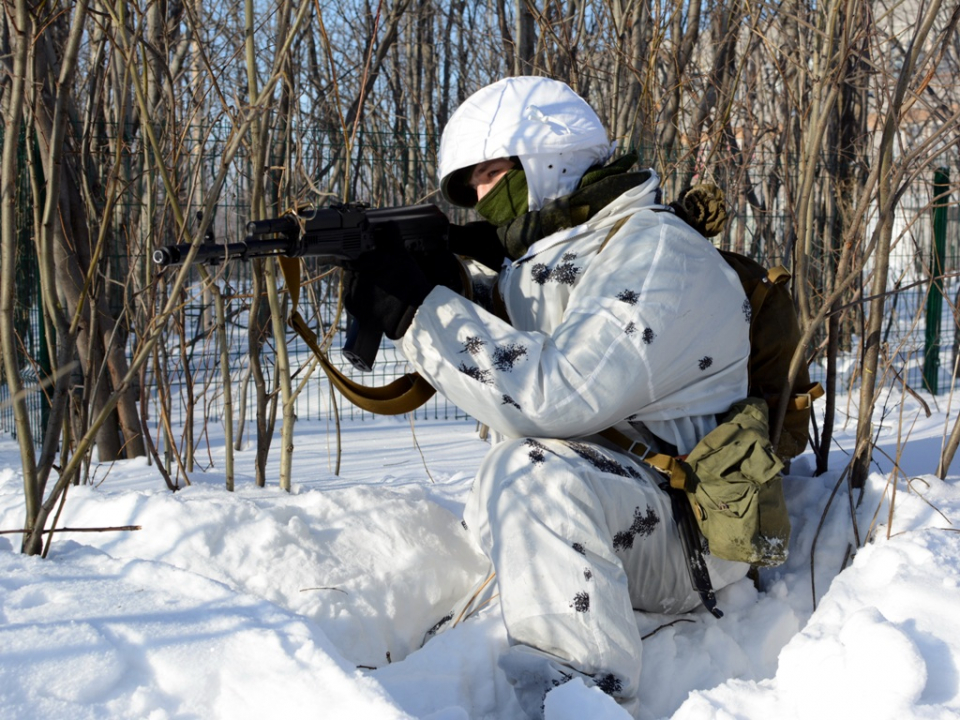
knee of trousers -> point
(512, 465)
(528, 474)
(496, 476)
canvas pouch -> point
(736, 491)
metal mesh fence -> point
(190, 357)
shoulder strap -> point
(775, 276)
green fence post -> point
(931, 349)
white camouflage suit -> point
(649, 334)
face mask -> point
(506, 201)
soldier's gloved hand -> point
(441, 268)
(478, 240)
(384, 289)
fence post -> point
(931, 349)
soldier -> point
(613, 312)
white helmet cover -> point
(553, 131)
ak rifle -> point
(336, 235)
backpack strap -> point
(775, 276)
(401, 396)
(804, 398)
(801, 400)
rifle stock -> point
(336, 235)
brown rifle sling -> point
(401, 396)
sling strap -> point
(401, 396)
(680, 480)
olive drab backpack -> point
(774, 337)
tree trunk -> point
(13, 110)
(76, 259)
(526, 40)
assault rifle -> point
(337, 235)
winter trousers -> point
(580, 536)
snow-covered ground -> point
(260, 603)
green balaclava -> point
(507, 200)
(505, 206)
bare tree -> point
(817, 119)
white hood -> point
(553, 131)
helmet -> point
(544, 124)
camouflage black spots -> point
(579, 548)
(507, 400)
(623, 540)
(643, 525)
(481, 376)
(581, 602)
(609, 683)
(540, 273)
(538, 451)
(587, 574)
(602, 462)
(473, 345)
(629, 297)
(505, 357)
(630, 329)
(648, 336)
(566, 273)
(705, 362)
(747, 310)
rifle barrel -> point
(340, 233)
(214, 254)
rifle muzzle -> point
(167, 255)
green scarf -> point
(599, 186)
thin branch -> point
(119, 528)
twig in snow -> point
(678, 620)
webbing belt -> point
(669, 465)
